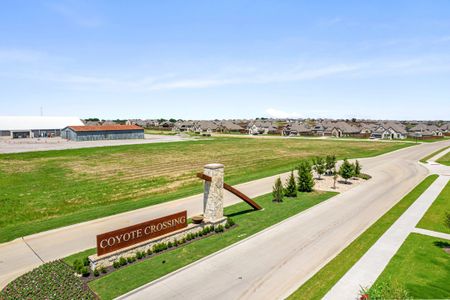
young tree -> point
(346, 170)
(291, 186)
(357, 168)
(277, 191)
(319, 166)
(305, 177)
(335, 177)
(330, 163)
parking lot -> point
(8, 145)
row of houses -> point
(375, 130)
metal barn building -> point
(108, 132)
(35, 126)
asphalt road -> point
(273, 263)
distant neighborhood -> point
(73, 128)
(309, 127)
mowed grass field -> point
(445, 160)
(422, 266)
(45, 190)
(434, 218)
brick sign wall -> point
(128, 236)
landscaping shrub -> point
(277, 191)
(346, 170)
(96, 273)
(54, 280)
(169, 244)
(291, 186)
(305, 177)
(139, 255)
(231, 222)
(123, 261)
(103, 270)
(77, 265)
(149, 251)
(116, 264)
(85, 272)
(219, 228)
(86, 261)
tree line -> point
(305, 179)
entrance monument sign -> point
(128, 236)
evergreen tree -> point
(305, 177)
(277, 191)
(330, 163)
(357, 168)
(319, 166)
(346, 170)
(291, 186)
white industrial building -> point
(35, 126)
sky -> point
(225, 59)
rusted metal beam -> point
(234, 191)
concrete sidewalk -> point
(436, 234)
(365, 272)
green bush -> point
(219, 228)
(86, 261)
(77, 265)
(123, 261)
(169, 244)
(149, 251)
(96, 273)
(139, 255)
(231, 222)
(103, 270)
(131, 259)
(85, 272)
(347, 170)
(116, 264)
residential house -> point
(297, 129)
(229, 126)
(262, 127)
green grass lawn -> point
(434, 217)
(248, 223)
(45, 190)
(317, 286)
(422, 267)
(424, 160)
(445, 160)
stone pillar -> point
(213, 193)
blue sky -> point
(226, 59)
